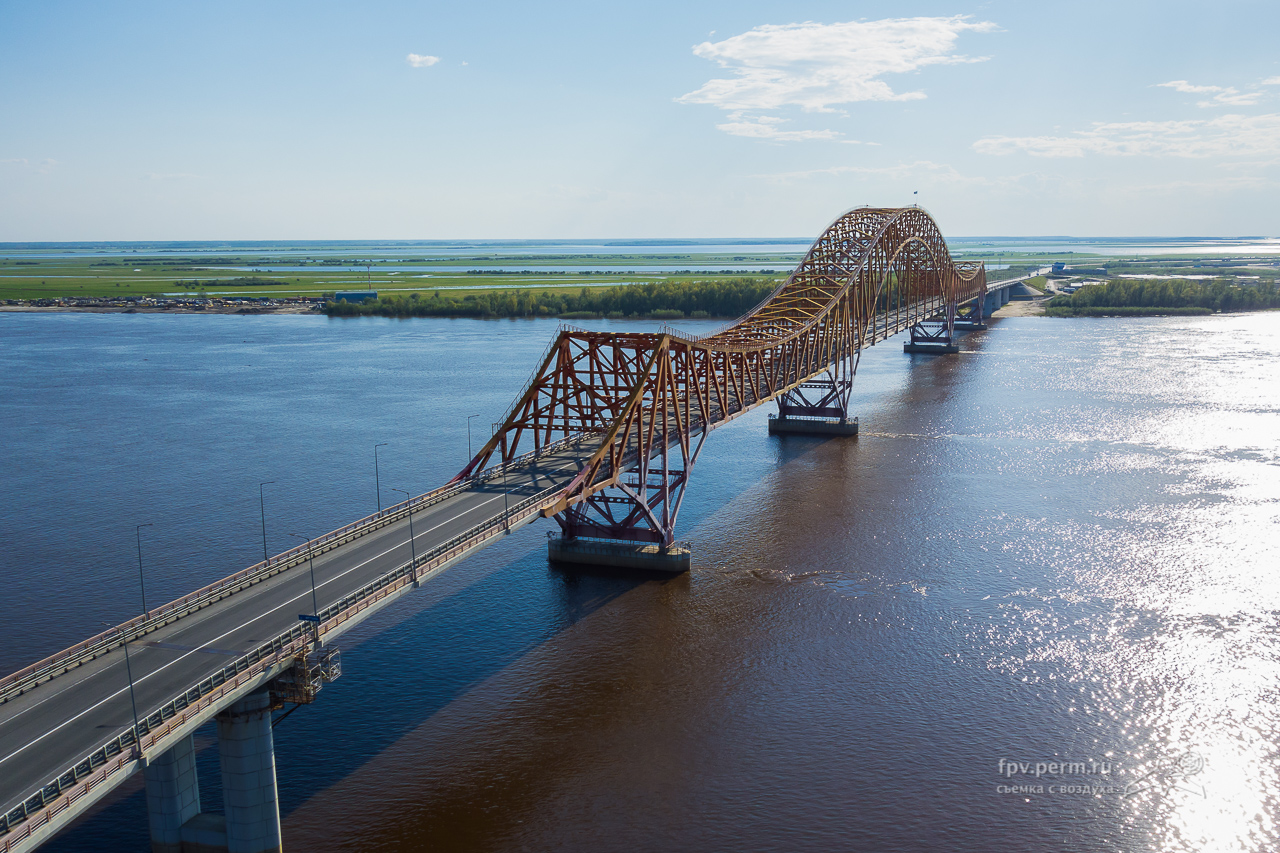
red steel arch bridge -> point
(602, 439)
(644, 403)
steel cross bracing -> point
(647, 400)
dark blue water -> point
(1057, 546)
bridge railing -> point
(25, 679)
(537, 368)
(104, 762)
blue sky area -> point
(170, 121)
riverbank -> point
(1029, 308)
(296, 310)
(668, 300)
(1022, 308)
(1128, 311)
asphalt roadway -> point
(47, 730)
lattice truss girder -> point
(645, 401)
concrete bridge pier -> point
(787, 423)
(619, 554)
(993, 302)
(971, 315)
(935, 336)
(248, 760)
(173, 795)
(817, 407)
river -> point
(1033, 606)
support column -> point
(173, 795)
(248, 761)
(993, 303)
(970, 317)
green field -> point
(403, 272)
(150, 275)
(51, 278)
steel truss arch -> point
(643, 403)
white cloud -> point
(1222, 95)
(767, 127)
(815, 66)
(1231, 98)
(39, 166)
(919, 169)
(1184, 86)
(1271, 81)
(420, 61)
(1225, 136)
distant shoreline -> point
(294, 310)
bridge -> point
(602, 440)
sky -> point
(432, 120)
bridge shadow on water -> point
(409, 671)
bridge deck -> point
(54, 725)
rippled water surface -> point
(1059, 547)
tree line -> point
(244, 281)
(663, 300)
(1179, 294)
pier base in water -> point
(619, 555)
(793, 425)
(931, 349)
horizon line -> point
(603, 241)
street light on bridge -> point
(262, 508)
(376, 481)
(469, 417)
(413, 553)
(311, 564)
(142, 583)
(133, 702)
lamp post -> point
(506, 519)
(311, 565)
(376, 481)
(262, 508)
(413, 553)
(469, 417)
(141, 581)
(133, 701)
